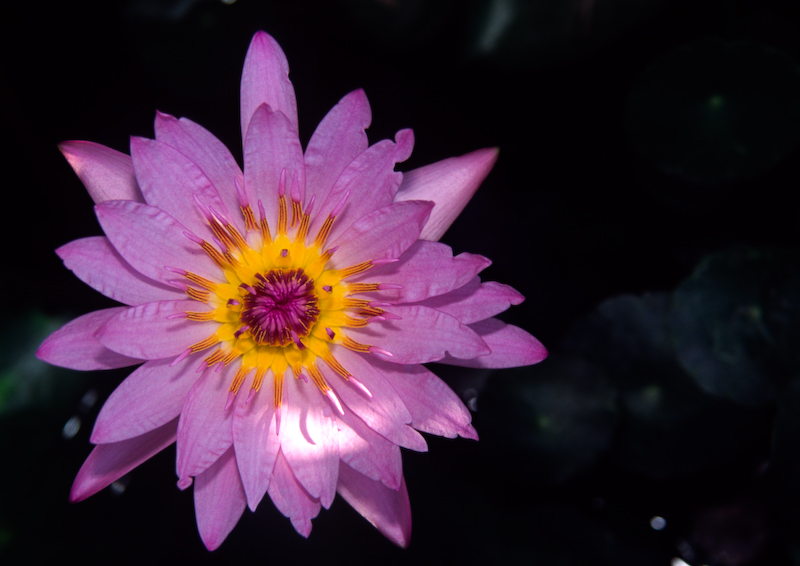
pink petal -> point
(387, 509)
(265, 80)
(255, 440)
(74, 345)
(218, 500)
(95, 261)
(476, 301)
(109, 462)
(210, 155)
(204, 429)
(368, 452)
(309, 442)
(370, 180)
(421, 335)
(272, 149)
(171, 181)
(384, 233)
(290, 498)
(426, 269)
(337, 141)
(449, 183)
(150, 397)
(434, 407)
(384, 412)
(147, 331)
(106, 173)
(511, 347)
(151, 240)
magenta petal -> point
(370, 180)
(368, 452)
(148, 331)
(387, 509)
(309, 443)
(434, 407)
(74, 345)
(449, 183)
(426, 269)
(421, 335)
(336, 142)
(208, 153)
(385, 233)
(511, 347)
(147, 399)
(171, 181)
(290, 498)
(204, 429)
(218, 500)
(255, 440)
(109, 462)
(95, 261)
(271, 150)
(265, 80)
(476, 301)
(106, 173)
(151, 240)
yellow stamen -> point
(208, 315)
(297, 211)
(324, 232)
(354, 269)
(351, 322)
(207, 343)
(249, 218)
(334, 364)
(198, 294)
(214, 254)
(351, 344)
(316, 377)
(238, 379)
(282, 214)
(362, 287)
(277, 394)
(201, 281)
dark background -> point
(643, 202)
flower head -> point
(282, 313)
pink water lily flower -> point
(281, 314)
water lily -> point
(281, 314)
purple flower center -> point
(279, 307)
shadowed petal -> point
(449, 183)
(290, 498)
(109, 462)
(147, 331)
(511, 347)
(476, 301)
(265, 80)
(368, 452)
(74, 345)
(388, 510)
(421, 335)
(95, 262)
(106, 173)
(218, 500)
(147, 399)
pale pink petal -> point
(218, 500)
(255, 440)
(384, 233)
(421, 335)
(309, 443)
(151, 240)
(291, 498)
(95, 261)
(210, 155)
(511, 347)
(149, 332)
(109, 462)
(368, 452)
(476, 301)
(426, 269)
(148, 398)
(106, 173)
(434, 407)
(370, 180)
(74, 345)
(171, 181)
(449, 183)
(384, 412)
(336, 142)
(204, 429)
(272, 150)
(387, 509)
(265, 80)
